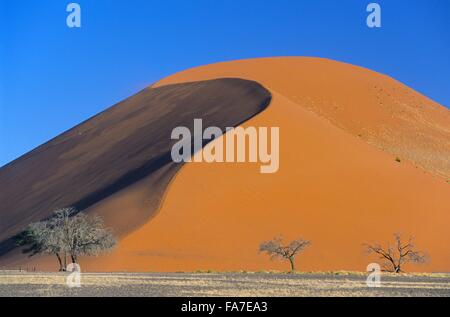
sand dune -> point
(90, 165)
(334, 187)
(369, 105)
(342, 129)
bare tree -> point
(68, 232)
(394, 257)
(88, 237)
(43, 238)
(277, 250)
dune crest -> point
(369, 105)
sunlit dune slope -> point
(369, 105)
(339, 184)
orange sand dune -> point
(372, 106)
(98, 165)
(339, 184)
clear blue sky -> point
(53, 77)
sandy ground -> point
(221, 284)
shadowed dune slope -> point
(116, 149)
(339, 184)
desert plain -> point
(242, 284)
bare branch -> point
(402, 254)
(276, 249)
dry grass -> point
(253, 284)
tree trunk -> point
(65, 260)
(74, 258)
(399, 265)
(291, 260)
(61, 268)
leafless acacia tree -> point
(67, 233)
(277, 250)
(87, 237)
(43, 238)
(394, 257)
